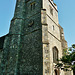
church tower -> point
(52, 49)
(23, 45)
(33, 43)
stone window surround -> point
(55, 54)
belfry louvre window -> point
(32, 5)
(55, 55)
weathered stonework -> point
(22, 52)
(34, 33)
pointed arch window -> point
(56, 73)
(55, 55)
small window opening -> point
(32, 6)
(51, 10)
(62, 34)
(53, 27)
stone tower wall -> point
(53, 33)
(34, 32)
(23, 46)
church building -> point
(35, 40)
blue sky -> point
(66, 12)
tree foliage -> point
(69, 58)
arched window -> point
(55, 54)
(56, 72)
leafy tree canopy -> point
(68, 59)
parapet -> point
(53, 4)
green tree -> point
(69, 59)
